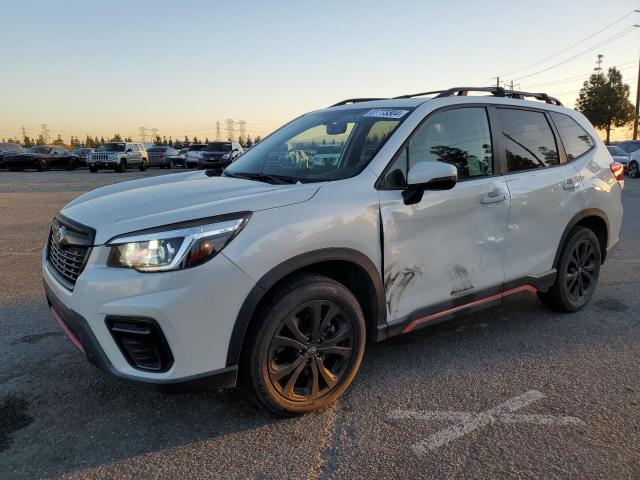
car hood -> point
(620, 158)
(152, 202)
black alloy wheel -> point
(632, 170)
(579, 277)
(311, 351)
(42, 165)
(577, 272)
(306, 348)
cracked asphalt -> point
(61, 417)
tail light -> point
(618, 170)
(162, 155)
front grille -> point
(213, 156)
(68, 249)
(100, 156)
(67, 261)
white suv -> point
(278, 273)
(118, 156)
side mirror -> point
(428, 176)
(129, 150)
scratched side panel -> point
(447, 245)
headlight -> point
(113, 156)
(226, 156)
(177, 246)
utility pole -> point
(218, 134)
(512, 86)
(45, 132)
(242, 125)
(635, 123)
(143, 134)
(230, 123)
(498, 82)
(24, 133)
(154, 134)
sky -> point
(99, 67)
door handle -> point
(493, 197)
(571, 184)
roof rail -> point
(463, 91)
(355, 100)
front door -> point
(447, 250)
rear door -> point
(448, 249)
(542, 187)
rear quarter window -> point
(575, 139)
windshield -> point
(39, 149)
(111, 147)
(157, 149)
(219, 147)
(299, 150)
(197, 148)
(617, 151)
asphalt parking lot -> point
(512, 392)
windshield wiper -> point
(261, 177)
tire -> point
(633, 170)
(122, 166)
(73, 164)
(171, 165)
(42, 165)
(93, 169)
(578, 273)
(314, 329)
(143, 165)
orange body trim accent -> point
(434, 316)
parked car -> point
(81, 154)
(277, 275)
(41, 158)
(118, 156)
(8, 149)
(632, 168)
(219, 155)
(619, 155)
(629, 146)
(327, 154)
(167, 157)
(194, 152)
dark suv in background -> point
(219, 155)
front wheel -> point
(633, 170)
(306, 348)
(122, 166)
(578, 273)
(42, 165)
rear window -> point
(575, 139)
(528, 140)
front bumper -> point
(102, 164)
(195, 315)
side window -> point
(575, 139)
(528, 140)
(460, 137)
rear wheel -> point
(633, 170)
(306, 348)
(578, 273)
(143, 165)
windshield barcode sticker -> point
(386, 113)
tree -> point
(249, 143)
(41, 140)
(604, 100)
(116, 138)
(58, 141)
(27, 142)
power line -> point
(574, 45)
(601, 44)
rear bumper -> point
(77, 329)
